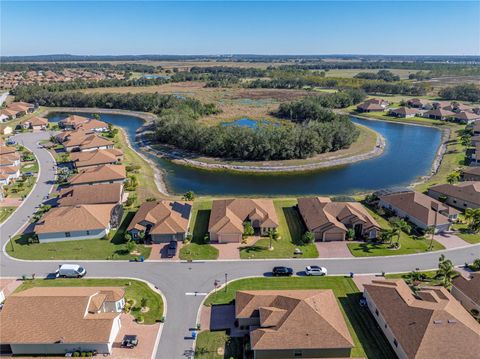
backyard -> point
(369, 340)
(114, 248)
(409, 244)
(134, 290)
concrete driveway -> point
(337, 249)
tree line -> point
(466, 92)
(93, 66)
(383, 75)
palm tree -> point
(453, 177)
(399, 225)
(430, 230)
(446, 271)
(472, 216)
(386, 235)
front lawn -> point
(134, 289)
(465, 234)
(20, 188)
(5, 212)
(198, 248)
(217, 345)
(369, 340)
(408, 244)
(291, 229)
(114, 249)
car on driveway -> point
(129, 341)
(172, 249)
(282, 271)
(315, 270)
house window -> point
(395, 342)
(88, 233)
(454, 201)
(376, 312)
(67, 234)
(297, 353)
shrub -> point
(308, 237)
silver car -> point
(315, 270)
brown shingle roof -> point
(74, 120)
(467, 116)
(419, 206)
(404, 111)
(103, 173)
(85, 141)
(469, 287)
(91, 194)
(93, 124)
(75, 218)
(318, 211)
(467, 191)
(228, 215)
(95, 158)
(439, 112)
(38, 121)
(166, 217)
(473, 170)
(294, 319)
(57, 314)
(429, 326)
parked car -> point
(315, 270)
(129, 341)
(70, 271)
(172, 249)
(282, 271)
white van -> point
(71, 271)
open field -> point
(134, 289)
(352, 72)
(369, 340)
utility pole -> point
(11, 243)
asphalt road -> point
(175, 279)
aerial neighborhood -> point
(323, 203)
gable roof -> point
(74, 120)
(405, 111)
(75, 218)
(86, 140)
(166, 217)
(37, 121)
(319, 211)
(439, 112)
(93, 124)
(467, 191)
(96, 157)
(469, 287)
(419, 206)
(88, 194)
(102, 173)
(472, 170)
(58, 314)
(430, 325)
(228, 215)
(294, 319)
(467, 116)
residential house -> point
(94, 125)
(102, 174)
(61, 320)
(429, 324)
(36, 123)
(22, 108)
(459, 107)
(6, 130)
(111, 193)
(228, 216)
(420, 103)
(72, 122)
(293, 324)
(9, 165)
(88, 221)
(373, 105)
(475, 156)
(90, 159)
(330, 221)
(476, 127)
(462, 195)
(467, 292)
(404, 112)
(441, 104)
(466, 117)
(11, 114)
(87, 142)
(470, 174)
(475, 140)
(3, 117)
(419, 209)
(162, 221)
(439, 114)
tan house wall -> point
(305, 353)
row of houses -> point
(440, 110)
(474, 155)
(10, 160)
(90, 204)
(16, 110)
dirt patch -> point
(275, 94)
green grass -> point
(465, 234)
(134, 289)
(79, 249)
(20, 188)
(208, 343)
(5, 212)
(430, 278)
(369, 340)
(291, 229)
(409, 244)
(31, 166)
(385, 117)
(198, 249)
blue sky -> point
(324, 27)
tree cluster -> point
(466, 92)
(382, 75)
(391, 88)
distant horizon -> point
(122, 28)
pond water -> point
(409, 154)
(152, 76)
(248, 122)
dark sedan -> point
(282, 271)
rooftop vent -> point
(437, 322)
